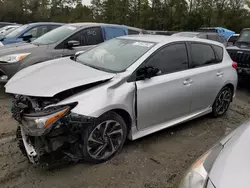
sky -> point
(86, 2)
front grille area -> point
(241, 57)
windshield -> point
(55, 35)
(16, 32)
(115, 55)
(185, 34)
(244, 36)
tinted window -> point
(38, 31)
(172, 58)
(244, 36)
(218, 53)
(202, 54)
(232, 38)
(133, 32)
(90, 36)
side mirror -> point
(147, 72)
(79, 53)
(27, 36)
(74, 57)
(72, 43)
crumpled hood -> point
(21, 47)
(232, 167)
(52, 77)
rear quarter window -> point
(218, 53)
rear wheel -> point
(222, 102)
(104, 138)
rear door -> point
(207, 74)
(167, 96)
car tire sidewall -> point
(214, 113)
(90, 128)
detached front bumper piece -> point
(30, 150)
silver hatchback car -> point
(85, 107)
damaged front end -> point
(49, 133)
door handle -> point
(188, 82)
(220, 74)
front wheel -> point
(222, 102)
(104, 138)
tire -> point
(105, 136)
(222, 104)
(20, 143)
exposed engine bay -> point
(48, 133)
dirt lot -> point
(156, 161)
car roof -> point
(162, 39)
(45, 23)
(86, 24)
(191, 32)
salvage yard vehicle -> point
(85, 108)
(61, 42)
(220, 30)
(203, 35)
(28, 32)
(225, 165)
(3, 24)
(240, 53)
(7, 29)
(231, 41)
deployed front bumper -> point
(30, 150)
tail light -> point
(235, 65)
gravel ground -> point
(155, 161)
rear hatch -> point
(242, 57)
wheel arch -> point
(125, 116)
(231, 87)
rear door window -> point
(202, 55)
(172, 58)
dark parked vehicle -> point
(204, 35)
(231, 41)
(3, 24)
(240, 53)
(61, 42)
(28, 32)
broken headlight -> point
(197, 175)
(38, 124)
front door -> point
(87, 38)
(167, 96)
